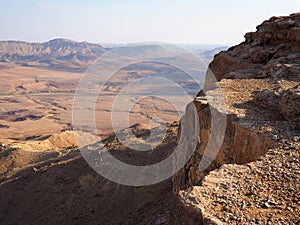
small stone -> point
(266, 205)
(161, 220)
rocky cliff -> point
(254, 177)
(61, 53)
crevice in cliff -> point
(241, 145)
(254, 174)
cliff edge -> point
(255, 176)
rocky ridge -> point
(254, 179)
(56, 53)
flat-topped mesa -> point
(259, 79)
(56, 53)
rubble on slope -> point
(254, 179)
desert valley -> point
(253, 178)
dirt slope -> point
(59, 187)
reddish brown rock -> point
(276, 41)
(256, 164)
(290, 104)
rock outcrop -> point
(271, 51)
(254, 177)
(290, 104)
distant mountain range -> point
(68, 54)
(57, 53)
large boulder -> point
(290, 105)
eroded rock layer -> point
(254, 177)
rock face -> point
(56, 53)
(259, 79)
(271, 51)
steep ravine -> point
(254, 178)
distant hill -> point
(68, 54)
(57, 53)
(209, 54)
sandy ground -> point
(43, 177)
(36, 103)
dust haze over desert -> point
(161, 112)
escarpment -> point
(252, 175)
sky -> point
(130, 21)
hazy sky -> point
(123, 21)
